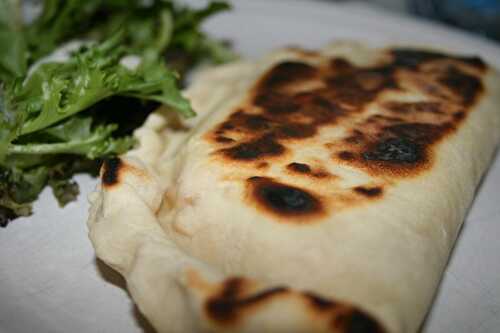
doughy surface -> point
(316, 191)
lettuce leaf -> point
(62, 117)
(13, 50)
(56, 91)
(76, 136)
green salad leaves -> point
(63, 116)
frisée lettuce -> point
(61, 117)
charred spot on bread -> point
(397, 150)
(228, 306)
(340, 64)
(284, 200)
(459, 115)
(253, 150)
(236, 298)
(306, 170)
(288, 72)
(357, 137)
(356, 321)
(413, 107)
(111, 170)
(371, 192)
(299, 167)
(346, 155)
(412, 58)
(319, 303)
(463, 85)
(276, 103)
(262, 165)
(223, 139)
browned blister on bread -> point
(294, 101)
(229, 303)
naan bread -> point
(315, 192)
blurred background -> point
(478, 16)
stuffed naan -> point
(316, 191)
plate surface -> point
(50, 281)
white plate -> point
(49, 280)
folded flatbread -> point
(316, 191)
